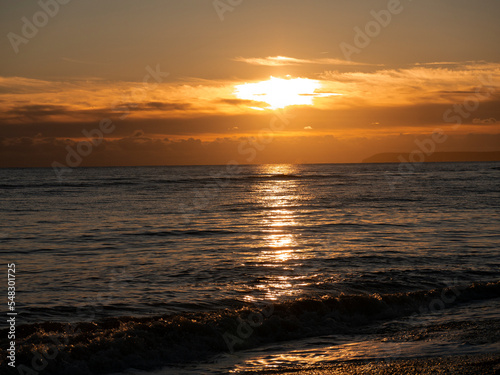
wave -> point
(187, 232)
(257, 177)
(115, 344)
(219, 180)
(64, 184)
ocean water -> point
(219, 269)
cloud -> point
(402, 100)
(461, 65)
(443, 63)
(24, 99)
(244, 102)
(486, 121)
(139, 149)
(414, 85)
(36, 111)
(154, 106)
(284, 61)
(83, 61)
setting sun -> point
(279, 92)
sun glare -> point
(280, 92)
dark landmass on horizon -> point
(437, 157)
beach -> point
(449, 365)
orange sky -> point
(262, 82)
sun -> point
(280, 92)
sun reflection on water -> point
(279, 243)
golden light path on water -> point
(279, 244)
(281, 92)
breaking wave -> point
(116, 344)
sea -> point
(248, 268)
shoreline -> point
(478, 364)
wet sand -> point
(449, 365)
